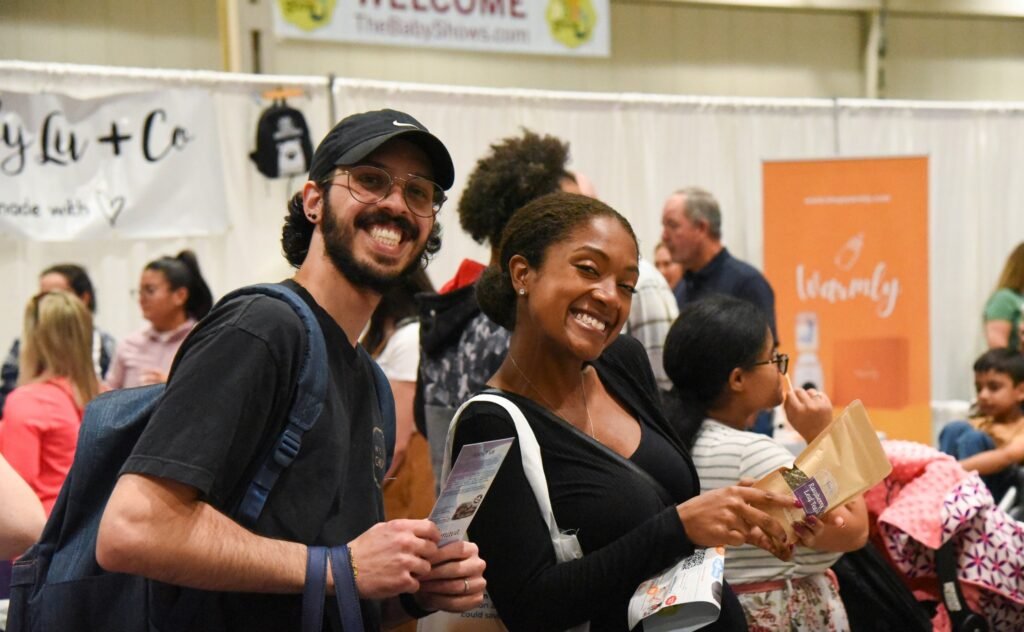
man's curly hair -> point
(517, 171)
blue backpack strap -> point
(386, 405)
(310, 394)
(315, 591)
(345, 591)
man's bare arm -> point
(160, 529)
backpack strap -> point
(386, 405)
(960, 614)
(311, 390)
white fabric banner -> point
(132, 165)
(636, 149)
(553, 27)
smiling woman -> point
(617, 474)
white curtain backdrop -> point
(636, 148)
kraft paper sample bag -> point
(843, 461)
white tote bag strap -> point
(533, 467)
(567, 547)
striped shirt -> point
(722, 456)
(653, 311)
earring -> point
(522, 291)
(313, 217)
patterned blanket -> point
(929, 499)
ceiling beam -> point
(961, 8)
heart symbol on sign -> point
(111, 207)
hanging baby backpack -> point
(283, 147)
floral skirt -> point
(807, 604)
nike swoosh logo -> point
(397, 124)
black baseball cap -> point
(358, 135)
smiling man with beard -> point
(364, 219)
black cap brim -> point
(437, 153)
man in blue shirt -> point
(692, 230)
(691, 225)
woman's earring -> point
(522, 291)
(313, 217)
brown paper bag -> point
(842, 462)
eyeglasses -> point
(370, 185)
(145, 290)
(780, 359)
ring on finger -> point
(465, 585)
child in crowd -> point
(720, 354)
(994, 441)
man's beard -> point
(338, 246)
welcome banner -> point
(546, 27)
(846, 250)
(133, 165)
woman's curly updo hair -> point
(517, 170)
(530, 232)
(298, 230)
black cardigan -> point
(627, 530)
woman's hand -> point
(152, 376)
(808, 530)
(732, 516)
(809, 412)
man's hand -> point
(391, 556)
(456, 581)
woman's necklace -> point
(583, 393)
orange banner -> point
(846, 251)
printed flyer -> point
(687, 596)
(467, 484)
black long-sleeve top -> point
(627, 529)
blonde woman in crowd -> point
(42, 415)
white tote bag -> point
(484, 618)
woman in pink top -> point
(39, 431)
(173, 296)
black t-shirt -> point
(625, 528)
(224, 408)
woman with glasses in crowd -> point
(617, 474)
(42, 416)
(719, 354)
(173, 296)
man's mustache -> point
(369, 218)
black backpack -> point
(58, 585)
(875, 597)
(283, 147)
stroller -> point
(960, 556)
